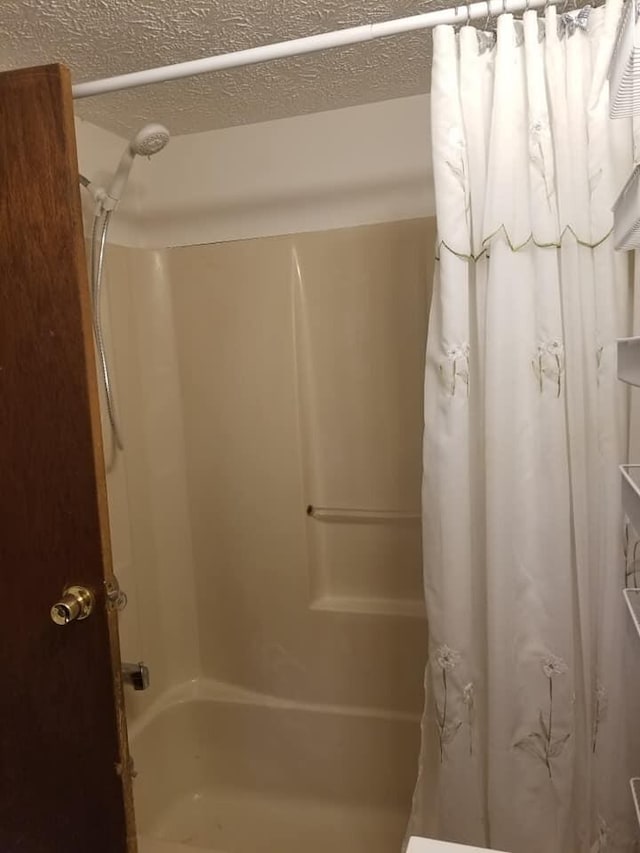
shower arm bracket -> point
(106, 202)
(99, 194)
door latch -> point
(116, 598)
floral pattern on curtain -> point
(528, 744)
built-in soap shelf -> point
(629, 360)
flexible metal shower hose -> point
(99, 236)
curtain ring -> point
(468, 21)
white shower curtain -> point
(526, 739)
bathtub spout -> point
(136, 675)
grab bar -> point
(359, 514)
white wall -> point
(354, 166)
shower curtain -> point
(527, 743)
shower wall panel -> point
(300, 368)
(150, 528)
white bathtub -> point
(220, 769)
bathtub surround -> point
(253, 378)
(211, 342)
(147, 486)
(530, 728)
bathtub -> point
(225, 770)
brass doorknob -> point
(75, 605)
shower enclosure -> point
(255, 380)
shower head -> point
(151, 139)
(148, 140)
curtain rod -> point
(310, 44)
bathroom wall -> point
(336, 169)
(354, 166)
(256, 376)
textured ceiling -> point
(100, 38)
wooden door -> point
(65, 784)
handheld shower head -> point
(148, 141)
